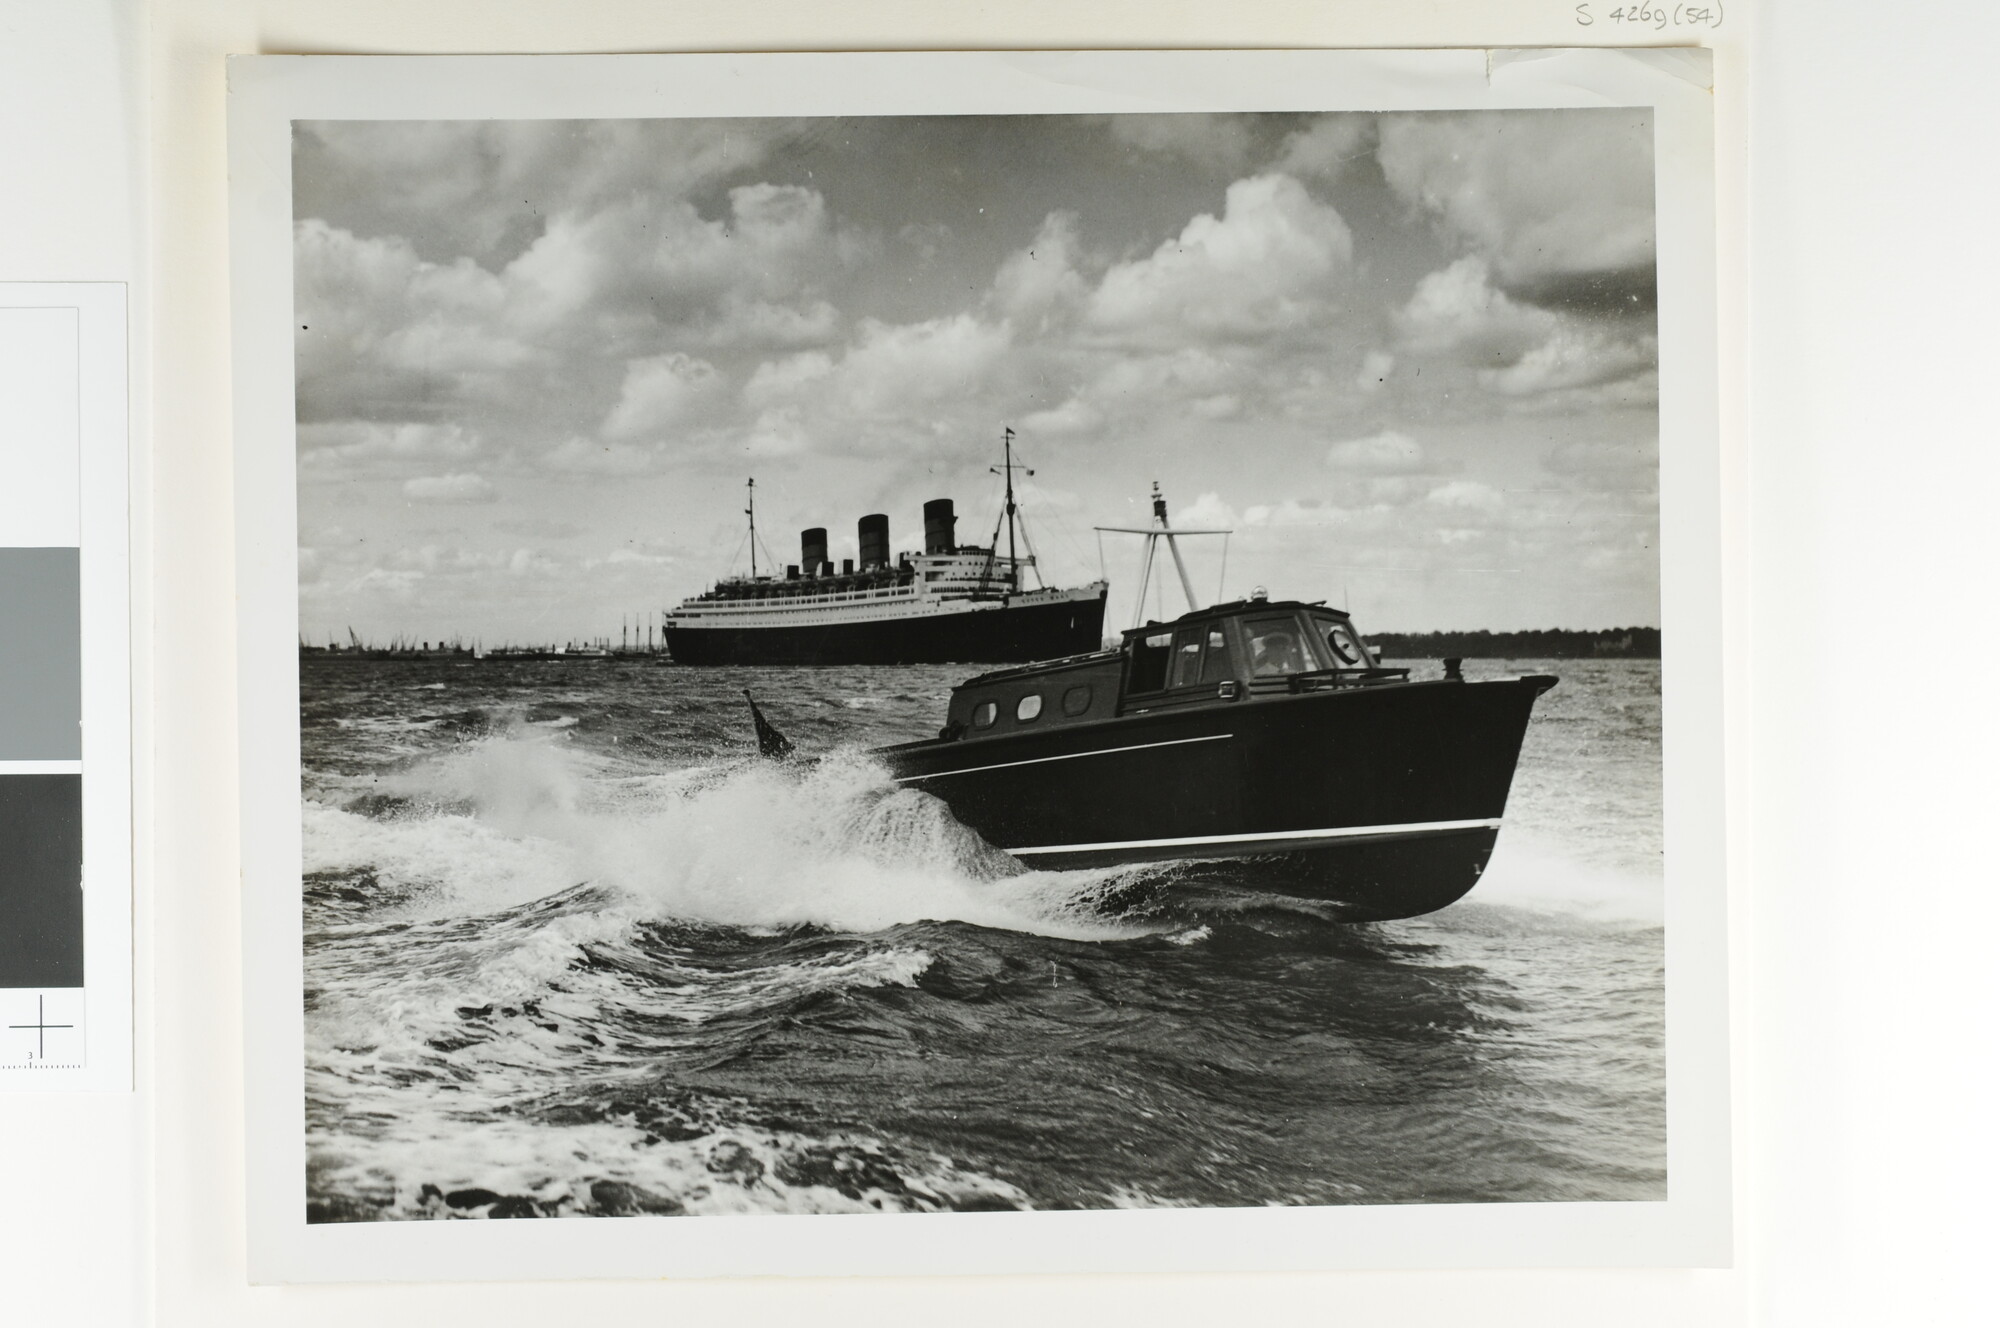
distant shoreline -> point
(1554, 643)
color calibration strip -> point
(65, 724)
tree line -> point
(1551, 643)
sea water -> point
(572, 949)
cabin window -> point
(1028, 707)
(1275, 648)
(984, 714)
(1076, 700)
(1216, 664)
(1149, 662)
(1348, 651)
(1187, 658)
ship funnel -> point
(812, 549)
(874, 531)
(940, 526)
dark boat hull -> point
(1014, 634)
(1386, 800)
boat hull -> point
(1014, 633)
(1385, 800)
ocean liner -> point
(951, 604)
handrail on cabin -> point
(1310, 680)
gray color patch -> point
(41, 656)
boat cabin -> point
(1244, 650)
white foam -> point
(836, 844)
(1531, 873)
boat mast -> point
(1173, 545)
(751, 512)
(1160, 530)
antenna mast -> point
(1160, 530)
(751, 512)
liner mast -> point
(1006, 469)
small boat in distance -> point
(951, 604)
(1260, 734)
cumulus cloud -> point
(463, 488)
(1212, 140)
(1536, 193)
(659, 392)
(365, 447)
(740, 324)
(777, 381)
(435, 181)
(1295, 512)
(1169, 378)
(895, 367)
(532, 562)
(1624, 466)
(777, 433)
(1207, 512)
(1457, 309)
(383, 333)
(1269, 263)
(1573, 356)
(1323, 149)
(1385, 453)
(1468, 494)
(645, 260)
(592, 456)
(1040, 280)
(1521, 350)
(1074, 416)
(1376, 366)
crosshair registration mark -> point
(41, 1027)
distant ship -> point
(951, 604)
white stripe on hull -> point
(1070, 756)
(1275, 837)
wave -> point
(517, 816)
(641, 1153)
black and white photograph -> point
(945, 663)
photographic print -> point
(939, 663)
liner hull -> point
(986, 635)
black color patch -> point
(41, 881)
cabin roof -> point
(1039, 666)
(1235, 608)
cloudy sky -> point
(1410, 358)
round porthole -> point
(984, 714)
(1028, 707)
(1076, 700)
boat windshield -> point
(1276, 647)
(1349, 650)
(1201, 656)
